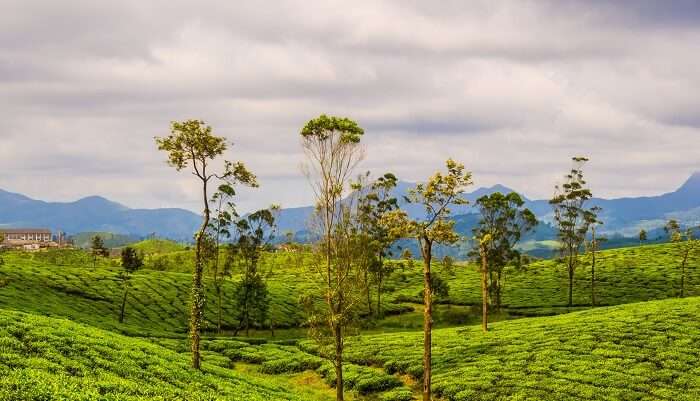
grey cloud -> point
(511, 88)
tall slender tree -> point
(332, 148)
(372, 206)
(252, 237)
(191, 144)
(593, 245)
(685, 243)
(642, 236)
(572, 218)
(442, 191)
(131, 261)
(97, 248)
(224, 213)
(503, 222)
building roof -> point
(25, 231)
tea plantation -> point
(53, 359)
(636, 351)
(643, 351)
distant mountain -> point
(96, 214)
(625, 216)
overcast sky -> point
(511, 89)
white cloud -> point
(511, 88)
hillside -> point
(643, 351)
(63, 283)
(53, 359)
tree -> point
(572, 218)
(642, 236)
(225, 212)
(503, 222)
(253, 234)
(407, 256)
(448, 263)
(192, 145)
(436, 196)
(332, 148)
(593, 245)
(131, 261)
(686, 244)
(97, 247)
(372, 207)
(484, 241)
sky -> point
(512, 89)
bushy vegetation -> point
(643, 351)
(623, 275)
(157, 246)
(52, 359)
(63, 283)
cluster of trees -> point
(356, 221)
(357, 231)
(192, 146)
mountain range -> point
(96, 214)
(622, 216)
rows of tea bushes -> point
(66, 284)
(642, 351)
(54, 359)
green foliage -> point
(131, 260)
(642, 235)
(326, 127)
(192, 144)
(571, 217)
(639, 351)
(503, 222)
(52, 359)
(157, 246)
(111, 240)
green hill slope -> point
(643, 351)
(64, 283)
(52, 359)
(157, 246)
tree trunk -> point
(498, 290)
(338, 334)
(123, 308)
(427, 320)
(685, 261)
(369, 294)
(218, 297)
(593, 300)
(571, 282)
(380, 280)
(484, 292)
(197, 294)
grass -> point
(643, 351)
(53, 359)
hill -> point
(96, 214)
(643, 351)
(157, 246)
(54, 359)
(64, 283)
